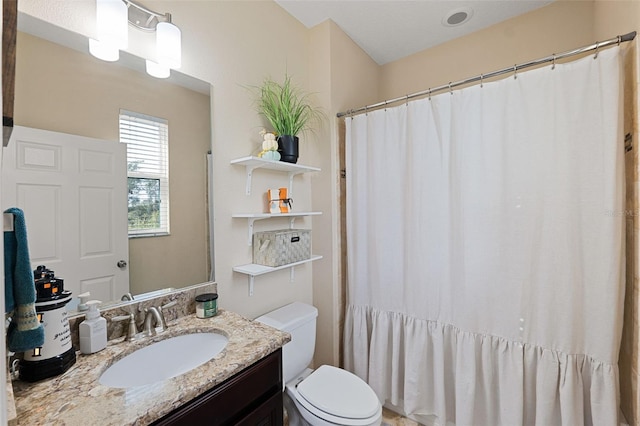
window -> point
(147, 140)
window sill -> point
(150, 234)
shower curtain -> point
(485, 235)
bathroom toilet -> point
(327, 396)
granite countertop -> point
(76, 397)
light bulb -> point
(156, 70)
(103, 51)
(169, 45)
(111, 29)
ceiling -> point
(392, 29)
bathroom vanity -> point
(251, 397)
(240, 385)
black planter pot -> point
(288, 148)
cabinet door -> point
(267, 414)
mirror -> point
(60, 87)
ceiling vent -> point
(457, 17)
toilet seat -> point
(337, 396)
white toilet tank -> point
(299, 320)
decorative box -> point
(281, 247)
(278, 201)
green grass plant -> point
(286, 107)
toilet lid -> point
(339, 393)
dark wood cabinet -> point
(9, 30)
(252, 397)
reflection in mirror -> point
(61, 88)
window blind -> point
(147, 140)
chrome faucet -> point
(156, 315)
(127, 296)
(153, 314)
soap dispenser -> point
(84, 297)
(93, 330)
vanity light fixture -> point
(109, 16)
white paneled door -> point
(73, 191)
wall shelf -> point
(252, 163)
(253, 270)
(252, 217)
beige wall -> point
(343, 75)
(62, 90)
(237, 43)
(232, 44)
(561, 26)
(612, 18)
(323, 197)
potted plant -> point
(287, 108)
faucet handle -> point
(162, 308)
(131, 333)
(168, 305)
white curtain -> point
(485, 249)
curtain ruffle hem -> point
(435, 369)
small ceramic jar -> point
(206, 305)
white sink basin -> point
(164, 360)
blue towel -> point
(25, 331)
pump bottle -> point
(93, 330)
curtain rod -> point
(553, 58)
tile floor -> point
(389, 418)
